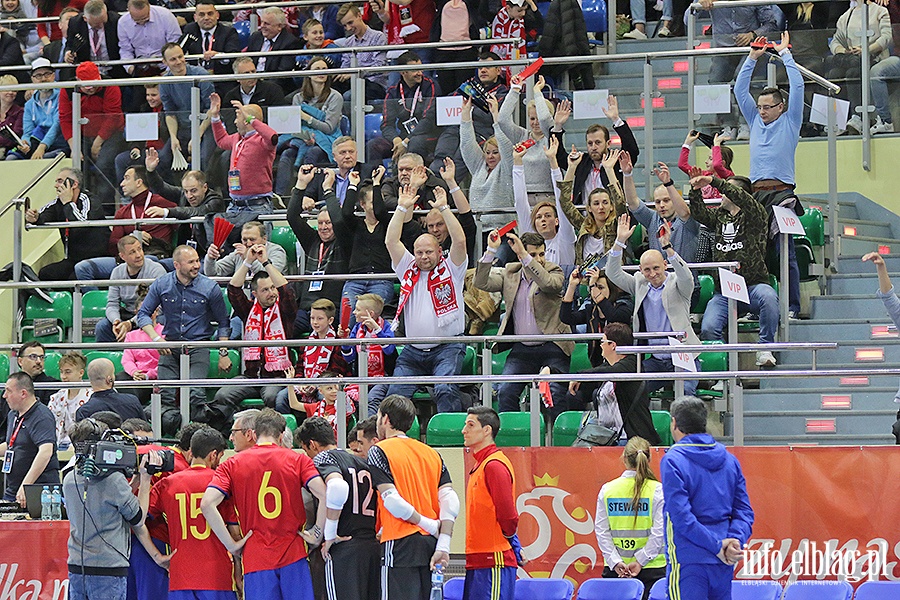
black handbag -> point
(592, 433)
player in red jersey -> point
(203, 570)
(264, 482)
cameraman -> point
(101, 509)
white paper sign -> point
(685, 360)
(285, 119)
(712, 99)
(449, 110)
(589, 104)
(819, 112)
(733, 286)
(141, 127)
(788, 222)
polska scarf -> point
(317, 358)
(440, 288)
(265, 324)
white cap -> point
(40, 63)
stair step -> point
(837, 385)
(792, 426)
(852, 284)
(861, 245)
(848, 263)
(784, 400)
(866, 228)
(846, 353)
(846, 330)
(837, 306)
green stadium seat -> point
(636, 239)
(93, 308)
(470, 361)
(497, 362)
(414, 431)
(565, 428)
(580, 359)
(814, 224)
(661, 422)
(59, 310)
(805, 257)
(114, 355)
(291, 421)
(445, 429)
(284, 237)
(707, 291)
(515, 429)
(214, 364)
(253, 403)
(4, 366)
(51, 364)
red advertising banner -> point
(821, 512)
(33, 559)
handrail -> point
(34, 181)
(746, 3)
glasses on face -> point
(43, 75)
(606, 341)
(768, 106)
(35, 357)
(239, 430)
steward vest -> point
(483, 533)
(630, 534)
(416, 469)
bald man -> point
(252, 155)
(431, 299)
(102, 375)
(662, 299)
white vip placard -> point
(141, 127)
(449, 110)
(285, 119)
(788, 221)
(819, 112)
(685, 360)
(733, 286)
(712, 99)
(590, 104)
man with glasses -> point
(31, 359)
(41, 135)
(243, 431)
(774, 134)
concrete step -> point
(869, 228)
(791, 425)
(846, 353)
(786, 399)
(836, 385)
(848, 330)
(856, 284)
(849, 263)
(834, 439)
(861, 245)
(846, 306)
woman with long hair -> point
(608, 304)
(320, 111)
(629, 521)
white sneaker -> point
(855, 123)
(729, 132)
(765, 359)
(743, 132)
(881, 127)
(635, 34)
(664, 32)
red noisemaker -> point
(221, 229)
(528, 71)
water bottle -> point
(56, 504)
(46, 510)
(437, 583)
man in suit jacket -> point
(94, 36)
(274, 35)
(102, 375)
(206, 36)
(662, 300)
(249, 91)
(531, 289)
(345, 157)
(56, 51)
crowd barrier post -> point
(771, 74)
(156, 413)
(692, 65)
(362, 362)
(358, 108)
(784, 288)
(535, 414)
(864, 107)
(196, 117)
(611, 27)
(487, 368)
(18, 231)
(184, 393)
(77, 313)
(76, 129)
(833, 206)
(340, 413)
(648, 127)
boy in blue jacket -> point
(708, 512)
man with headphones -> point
(101, 509)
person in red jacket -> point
(157, 238)
(101, 135)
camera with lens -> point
(115, 450)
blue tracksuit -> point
(706, 502)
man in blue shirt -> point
(774, 134)
(190, 303)
(707, 510)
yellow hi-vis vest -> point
(630, 534)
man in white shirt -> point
(431, 296)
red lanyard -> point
(12, 438)
(321, 255)
(238, 148)
(416, 97)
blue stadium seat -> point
(755, 590)
(878, 590)
(544, 589)
(373, 125)
(594, 15)
(243, 29)
(611, 589)
(659, 591)
(818, 590)
(453, 588)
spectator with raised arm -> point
(892, 305)
(774, 134)
(739, 226)
(530, 287)
(606, 304)
(346, 157)
(324, 253)
(597, 227)
(489, 164)
(546, 218)
(718, 162)
(411, 172)
(669, 208)
(662, 300)
(431, 293)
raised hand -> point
(466, 109)
(784, 43)
(494, 105)
(575, 156)
(662, 172)
(700, 182)
(516, 244)
(720, 138)
(419, 177)
(624, 229)
(692, 136)
(448, 171)
(552, 147)
(562, 114)
(539, 85)
(625, 163)
(215, 105)
(493, 240)
(695, 171)
(611, 158)
(151, 161)
(407, 197)
(875, 258)
(440, 198)
(354, 178)
(755, 53)
(665, 233)
(328, 179)
(612, 113)
(378, 174)
(305, 176)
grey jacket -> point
(228, 265)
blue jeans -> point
(763, 300)
(880, 74)
(444, 359)
(660, 364)
(793, 273)
(96, 587)
(103, 331)
(524, 359)
(358, 287)
(639, 11)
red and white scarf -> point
(376, 358)
(440, 287)
(317, 358)
(265, 324)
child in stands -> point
(369, 324)
(325, 405)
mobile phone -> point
(70, 181)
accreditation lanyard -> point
(322, 252)
(416, 97)
(15, 433)
(146, 204)
(238, 148)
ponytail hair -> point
(637, 457)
